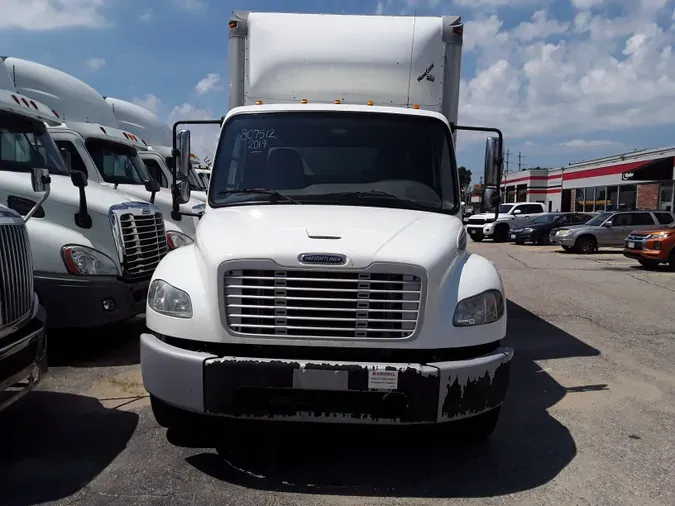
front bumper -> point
(324, 391)
(78, 301)
(520, 236)
(23, 360)
(484, 230)
(565, 240)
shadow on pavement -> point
(528, 449)
(111, 345)
(52, 445)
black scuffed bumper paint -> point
(339, 392)
(77, 301)
(23, 359)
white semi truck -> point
(90, 137)
(92, 264)
(158, 158)
(329, 279)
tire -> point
(543, 240)
(173, 418)
(501, 233)
(477, 237)
(649, 264)
(520, 243)
(586, 244)
(671, 259)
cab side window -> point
(76, 161)
(531, 209)
(156, 173)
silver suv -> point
(608, 229)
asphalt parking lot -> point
(589, 419)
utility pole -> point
(506, 161)
(520, 161)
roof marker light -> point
(258, 102)
(16, 99)
(25, 102)
(34, 105)
(103, 130)
(56, 114)
(370, 102)
(303, 101)
(337, 101)
(416, 106)
(233, 24)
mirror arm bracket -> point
(82, 217)
(46, 180)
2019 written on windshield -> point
(257, 138)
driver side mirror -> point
(78, 178)
(67, 157)
(493, 165)
(517, 211)
(40, 180)
(607, 224)
(183, 192)
(183, 155)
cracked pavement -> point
(589, 418)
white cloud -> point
(588, 4)
(477, 4)
(539, 28)
(208, 84)
(581, 144)
(52, 14)
(147, 15)
(151, 102)
(191, 5)
(203, 137)
(95, 63)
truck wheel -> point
(171, 417)
(477, 237)
(501, 233)
(586, 244)
(649, 264)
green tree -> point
(464, 177)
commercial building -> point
(635, 180)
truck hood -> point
(99, 198)
(363, 234)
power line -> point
(507, 161)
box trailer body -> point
(340, 288)
(90, 133)
(158, 158)
(88, 271)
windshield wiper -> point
(378, 194)
(261, 191)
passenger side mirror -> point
(78, 178)
(153, 187)
(65, 154)
(40, 180)
(490, 199)
(517, 211)
(183, 155)
(607, 224)
(493, 162)
(183, 192)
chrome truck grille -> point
(141, 239)
(323, 303)
(16, 274)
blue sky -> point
(565, 80)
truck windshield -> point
(364, 159)
(25, 145)
(117, 163)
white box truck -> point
(158, 158)
(329, 280)
(94, 248)
(90, 137)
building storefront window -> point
(627, 197)
(600, 198)
(666, 196)
(589, 201)
(579, 200)
(612, 198)
(522, 193)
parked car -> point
(538, 230)
(510, 216)
(654, 247)
(609, 228)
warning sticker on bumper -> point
(382, 380)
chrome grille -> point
(16, 274)
(476, 221)
(328, 304)
(637, 239)
(144, 244)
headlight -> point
(527, 230)
(563, 232)
(177, 239)
(486, 307)
(168, 300)
(88, 261)
(660, 235)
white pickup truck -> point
(329, 279)
(487, 225)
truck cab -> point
(90, 137)
(329, 280)
(511, 216)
